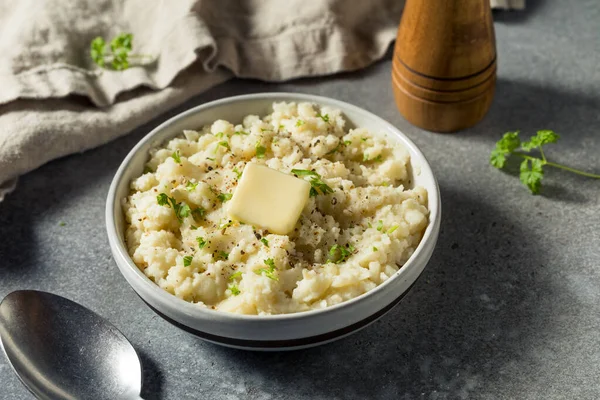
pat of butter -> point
(268, 199)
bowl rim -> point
(113, 205)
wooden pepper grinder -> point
(444, 67)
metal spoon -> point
(62, 350)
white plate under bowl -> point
(272, 332)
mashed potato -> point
(344, 244)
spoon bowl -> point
(62, 350)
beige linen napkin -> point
(54, 101)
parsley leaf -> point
(187, 261)
(163, 200)
(347, 142)
(531, 175)
(219, 134)
(265, 241)
(235, 275)
(234, 289)
(338, 254)
(260, 150)
(240, 133)
(223, 197)
(198, 213)
(191, 186)
(374, 248)
(509, 142)
(97, 50)
(315, 180)
(121, 46)
(299, 122)
(182, 210)
(379, 158)
(541, 138)
(380, 225)
(237, 172)
(268, 272)
(224, 144)
(221, 255)
(201, 242)
(325, 117)
(176, 156)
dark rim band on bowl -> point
(291, 343)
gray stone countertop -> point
(508, 308)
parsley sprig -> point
(532, 168)
(118, 55)
(268, 272)
(315, 180)
(338, 254)
(234, 289)
(182, 210)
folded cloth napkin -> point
(55, 101)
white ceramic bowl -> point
(275, 332)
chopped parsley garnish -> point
(324, 117)
(176, 156)
(369, 225)
(234, 289)
(260, 150)
(235, 275)
(187, 261)
(379, 225)
(147, 170)
(201, 242)
(281, 127)
(191, 186)
(193, 227)
(364, 139)
(219, 134)
(392, 229)
(316, 183)
(182, 210)
(210, 158)
(222, 255)
(223, 197)
(379, 158)
(198, 213)
(268, 272)
(240, 133)
(225, 144)
(338, 254)
(374, 248)
(237, 172)
(265, 241)
(299, 122)
(347, 142)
